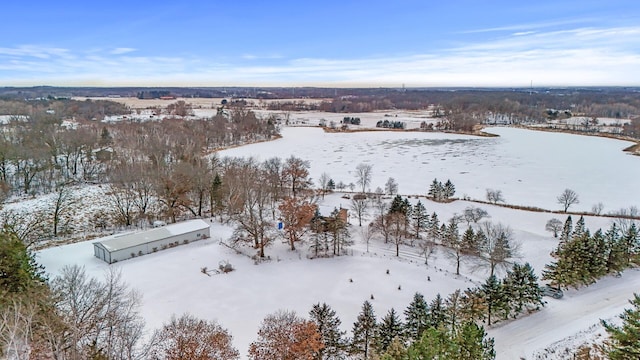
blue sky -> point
(320, 43)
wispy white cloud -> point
(122, 50)
(578, 56)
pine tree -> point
(579, 229)
(453, 311)
(433, 344)
(437, 315)
(471, 242)
(436, 190)
(448, 190)
(521, 288)
(332, 337)
(18, 269)
(420, 219)
(473, 343)
(567, 229)
(433, 230)
(364, 333)
(474, 307)
(390, 328)
(453, 243)
(624, 341)
(493, 296)
(399, 205)
(105, 137)
(416, 317)
(331, 185)
(616, 259)
(597, 265)
(396, 351)
(631, 241)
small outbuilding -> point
(129, 245)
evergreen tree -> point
(215, 194)
(105, 137)
(521, 288)
(396, 351)
(471, 242)
(469, 344)
(364, 333)
(453, 242)
(434, 344)
(420, 219)
(18, 269)
(579, 229)
(399, 205)
(331, 185)
(615, 249)
(390, 328)
(437, 315)
(624, 341)
(453, 311)
(332, 337)
(473, 343)
(597, 266)
(448, 190)
(631, 241)
(434, 228)
(436, 190)
(416, 317)
(473, 305)
(567, 229)
(493, 296)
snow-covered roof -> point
(126, 240)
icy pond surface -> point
(530, 167)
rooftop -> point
(130, 239)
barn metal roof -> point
(127, 240)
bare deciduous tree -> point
(190, 338)
(359, 205)
(499, 247)
(296, 214)
(568, 198)
(295, 172)
(366, 233)
(474, 214)
(363, 175)
(323, 181)
(554, 226)
(61, 208)
(494, 196)
(101, 317)
(286, 336)
(391, 186)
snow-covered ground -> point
(531, 168)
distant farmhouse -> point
(129, 245)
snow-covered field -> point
(531, 168)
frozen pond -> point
(530, 167)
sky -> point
(347, 43)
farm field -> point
(531, 168)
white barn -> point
(129, 245)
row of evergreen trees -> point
(444, 327)
(425, 333)
(440, 192)
(581, 258)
